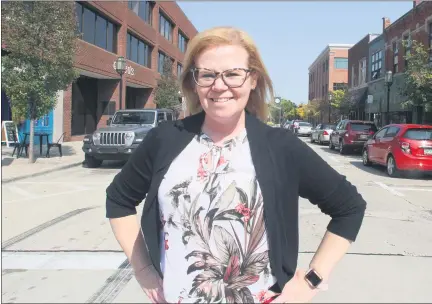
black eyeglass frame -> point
(193, 70)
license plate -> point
(427, 151)
(108, 150)
(363, 136)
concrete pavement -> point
(58, 246)
(14, 169)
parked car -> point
(302, 128)
(124, 132)
(400, 147)
(351, 135)
(321, 133)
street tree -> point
(301, 113)
(288, 110)
(312, 109)
(40, 37)
(418, 78)
(168, 88)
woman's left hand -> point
(297, 290)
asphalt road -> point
(58, 247)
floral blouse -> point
(214, 239)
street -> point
(57, 245)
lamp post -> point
(330, 97)
(120, 67)
(278, 100)
(388, 82)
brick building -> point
(416, 24)
(328, 72)
(375, 77)
(358, 66)
(145, 33)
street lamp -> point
(278, 100)
(388, 82)
(120, 67)
(330, 97)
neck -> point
(220, 131)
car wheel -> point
(331, 146)
(342, 149)
(92, 162)
(366, 161)
(319, 140)
(392, 170)
(311, 139)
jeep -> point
(122, 135)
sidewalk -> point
(16, 169)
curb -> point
(14, 179)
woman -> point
(220, 218)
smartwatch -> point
(314, 279)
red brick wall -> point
(355, 54)
(337, 75)
(92, 59)
(67, 113)
(416, 21)
(327, 78)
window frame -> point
(148, 48)
(81, 28)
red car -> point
(400, 147)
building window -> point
(395, 57)
(165, 27)
(341, 63)
(179, 70)
(353, 78)
(143, 9)
(362, 71)
(408, 43)
(376, 61)
(430, 42)
(182, 42)
(339, 86)
(138, 51)
(161, 61)
(96, 29)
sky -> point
(290, 35)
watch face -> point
(313, 278)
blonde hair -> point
(227, 36)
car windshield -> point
(304, 124)
(134, 118)
(360, 127)
(419, 134)
(329, 127)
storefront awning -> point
(359, 96)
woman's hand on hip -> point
(151, 283)
(297, 290)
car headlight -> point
(129, 137)
(96, 138)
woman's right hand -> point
(151, 283)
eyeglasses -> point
(233, 78)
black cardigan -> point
(286, 168)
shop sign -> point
(129, 70)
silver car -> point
(303, 129)
(321, 133)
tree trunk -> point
(31, 145)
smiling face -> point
(220, 101)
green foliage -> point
(167, 91)
(289, 110)
(41, 39)
(418, 77)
